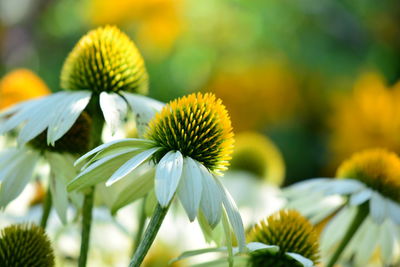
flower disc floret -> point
(25, 245)
(378, 169)
(105, 59)
(289, 230)
(198, 126)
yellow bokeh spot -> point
(369, 117)
(257, 154)
(20, 85)
(261, 94)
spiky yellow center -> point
(379, 169)
(105, 59)
(197, 125)
(25, 245)
(289, 230)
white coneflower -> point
(189, 143)
(18, 165)
(283, 239)
(105, 67)
(364, 203)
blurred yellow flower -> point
(20, 85)
(369, 117)
(258, 155)
(161, 254)
(260, 94)
(157, 22)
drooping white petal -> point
(135, 187)
(190, 187)
(168, 175)
(18, 177)
(298, 189)
(336, 228)
(254, 246)
(71, 105)
(130, 165)
(386, 241)
(303, 260)
(38, 119)
(21, 113)
(378, 207)
(10, 159)
(145, 108)
(112, 147)
(211, 198)
(62, 171)
(114, 109)
(367, 243)
(100, 170)
(234, 216)
(360, 197)
(394, 211)
(343, 186)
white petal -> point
(136, 186)
(73, 103)
(336, 229)
(16, 180)
(211, 198)
(114, 109)
(306, 262)
(190, 187)
(112, 146)
(360, 197)
(394, 211)
(130, 165)
(168, 175)
(234, 216)
(38, 119)
(59, 196)
(343, 186)
(367, 244)
(254, 246)
(145, 108)
(100, 170)
(386, 241)
(22, 113)
(377, 206)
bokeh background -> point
(316, 77)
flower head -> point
(105, 60)
(367, 193)
(25, 245)
(198, 126)
(189, 142)
(378, 169)
(291, 232)
(20, 85)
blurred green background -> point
(287, 69)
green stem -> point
(96, 114)
(360, 216)
(46, 209)
(149, 235)
(86, 225)
(142, 222)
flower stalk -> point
(142, 222)
(46, 209)
(149, 236)
(362, 213)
